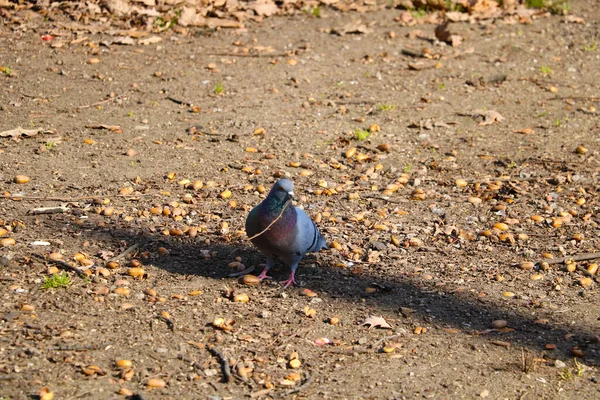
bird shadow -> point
(459, 310)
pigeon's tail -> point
(318, 241)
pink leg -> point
(290, 281)
(263, 275)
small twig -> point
(79, 348)
(49, 210)
(169, 322)
(253, 55)
(368, 196)
(271, 224)
(580, 257)
(575, 98)
(300, 388)
(79, 395)
(377, 343)
(62, 264)
(259, 393)
(8, 377)
(72, 199)
(123, 254)
(223, 361)
(180, 102)
(94, 104)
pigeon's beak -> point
(291, 195)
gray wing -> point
(308, 237)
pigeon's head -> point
(283, 189)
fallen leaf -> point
(265, 8)
(113, 128)
(524, 131)
(377, 322)
(352, 27)
(187, 16)
(490, 116)
(150, 40)
(442, 33)
(17, 132)
(574, 20)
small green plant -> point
(407, 169)
(418, 12)
(361, 134)
(512, 164)
(543, 114)
(6, 70)
(555, 6)
(571, 373)
(536, 3)
(560, 7)
(130, 114)
(544, 69)
(386, 107)
(442, 86)
(57, 281)
(557, 122)
(316, 12)
(164, 24)
(591, 47)
(49, 145)
(219, 88)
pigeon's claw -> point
(263, 275)
(290, 281)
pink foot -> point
(289, 282)
(263, 275)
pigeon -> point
(290, 237)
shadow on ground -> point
(460, 310)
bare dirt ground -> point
(440, 255)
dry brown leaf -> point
(442, 33)
(489, 117)
(150, 40)
(265, 8)
(524, 131)
(377, 322)
(352, 27)
(17, 132)
(187, 16)
(574, 20)
(406, 19)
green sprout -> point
(386, 107)
(57, 280)
(545, 70)
(219, 88)
(591, 47)
(361, 134)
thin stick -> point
(581, 257)
(79, 348)
(94, 104)
(224, 363)
(271, 224)
(62, 264)
(71, 199)
(259, 393)
(123, 254)
(377, 343)
(300, 388)
(253, 55)
(49, 210)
